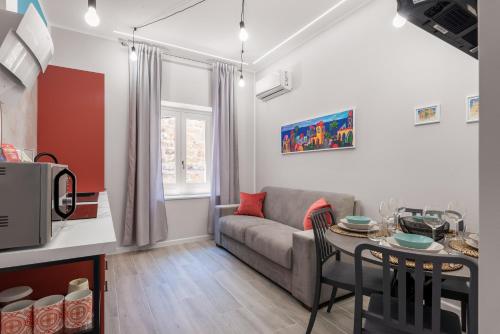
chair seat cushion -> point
(455, 289)
(234, 226)
(450, 322)
(342, 274)
(272, 240)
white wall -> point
(185, 82)
(384, 72)
(489, 162)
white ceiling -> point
(211, 27)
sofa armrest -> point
(304, 266)
(227, 206)
(221, 210)
(225, 209)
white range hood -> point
(25, 49)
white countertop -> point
(76, 238)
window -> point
(186, 148)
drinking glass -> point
(454, 214)
(431, 220)
(394, 206)
(385, 211)
(376, 233)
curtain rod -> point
(126, 42)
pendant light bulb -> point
(398, 21)
(91, 16)
(243, 32)
(133, 54)
(241, 83)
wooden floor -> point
(200, 288)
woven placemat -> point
(411, 264)
(339, 230)
(462, 247)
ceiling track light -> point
(133, 52)
(91, 16)
(243, 31)
(399, 21)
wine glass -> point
(375, 233)
(394, 207)
(385, 211)
(455, 213)
(432, 220)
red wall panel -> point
(71, 122)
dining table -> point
(347, 244)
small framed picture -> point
(428, 114)
(472, 110)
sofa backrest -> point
(289, 206)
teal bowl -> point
(413, 240)
(362, 220)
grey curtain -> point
(225, 185)
(145, 216)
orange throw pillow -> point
(251, 204)
(319, 204)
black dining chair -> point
(331, 270)
(397, 315)
(454, 289)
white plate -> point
(358, 227)
(347, 228)
(433, 248)
(472, 243)
(475, 237)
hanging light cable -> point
(243, 32)
(133, 53)
(241, 82)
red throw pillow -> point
(251, 204)
(319, 204)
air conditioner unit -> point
(273, 85)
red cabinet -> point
(71, 122)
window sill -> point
(184, 197)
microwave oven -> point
(32, 196)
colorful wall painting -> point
(331, 132)
(428, 114)
(472, 109)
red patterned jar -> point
(48, 315)
(17, 318)
(78, 311)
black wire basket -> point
(416, 225)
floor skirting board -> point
(165, 243)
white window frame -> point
(181, 112)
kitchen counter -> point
(75, 239)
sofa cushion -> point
(251, 204)
(319, 204)
(289, 206)
(272, 240)
(235, 226)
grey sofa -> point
(276, 245)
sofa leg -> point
(315, 306)
(332, 299)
